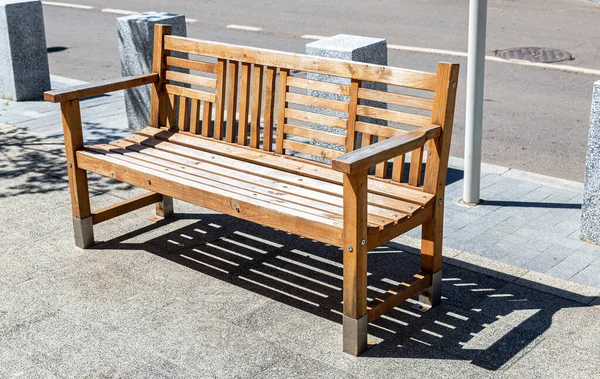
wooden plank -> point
(244, 104)
(268, 214)
(275, 181)
(301, 62)
(281, 105)
(317, 85)
(416, 167)
(183, 113)
(78, 184)
(396, 98)
(314, 134)
(126, 206)
(317, 151)
(257, 84)
(318, 102)
(171, 109)
(315, 118)
(190, 93)
(366, 140)
(308, 170)
(232, 94)
(207, 118)
(351, 122)
(236, 184)
(355, 247)
(398, 168)
(191, 65)
(378, 130)
(381, 168)
(397, 295)
(194, 115)
(191, 79)
(99, 88)
(158, 100)
(269, 108)
(220, 99)
(371, 155)
(394, 116)
(437, 165)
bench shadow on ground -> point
(483, 319)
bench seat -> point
(264, 187)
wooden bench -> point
(360, 201)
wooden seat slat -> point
(271, 214)
(403, 207)
(249, 188)
(306, 168)
(274, 183)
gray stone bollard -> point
(352, 48)
(24, 73)
(590, 213)
(136, 41)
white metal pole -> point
(474, 115)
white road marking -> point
(312, 36)
(244, 27)
(190, 20)
(118, 11)
(67, 5)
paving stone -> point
(590, 276)
(297, 366)
(567, 268)
(558, 287)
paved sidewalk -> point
(527, 220)
(206, 295)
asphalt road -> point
(535, 119)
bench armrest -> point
(368, 156)
(98, 88)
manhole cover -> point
(535, 54)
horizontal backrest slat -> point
(315, 85)
(396, 98)
(318, 102)
(394, 116)
(326, 66)
(191, 65)
(315, 118)
(313, 150)
(191, 79)
(377, 130)
(191, 93)
(314, 134)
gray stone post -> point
(24, 73)
(590, 215)
(136, 41)
(352, 48)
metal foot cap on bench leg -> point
(355, 334)
(432, 296)
(84, 232)
(165, 207)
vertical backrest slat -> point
(269, 108)
(183, 113)
(398, 168)
(281, 105)
(244, 103)
(416, 167)
(206, 118)
(232, 88)
(158, 100)
(351, 125)
(170, 111)
(194, 115)
(438, 150)
(220, 99)
(257, 84)
(381, 168)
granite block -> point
(590, 227)
(24, 73)
(136, 41)
(351, 48)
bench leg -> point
(164, 208)
(84, 232)
(355, 264)
(431, 262)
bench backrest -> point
(242, 88)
